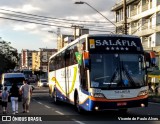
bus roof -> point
(94, 35)
(13, 75)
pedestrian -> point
(5, 96)
(156, 89)
(14, 94)
(26, 91)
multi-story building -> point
(26, 59)
(63, 40)
(44, 58)
(143, 17)
(35, 61)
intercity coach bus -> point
(100, 72)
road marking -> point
(154, 103)
(79, 122)
(33, 99)
(59, 112)
(47, 106)
(40, 103)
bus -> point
(100, 72)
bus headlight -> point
(98, 95)
(142, 93)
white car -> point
(43, 83)
(9, 78)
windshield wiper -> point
(128, 75)
(120, 81)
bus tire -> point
(55, 100)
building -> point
(35, 61)
(45, 54)
(63, 40)
(26, 59)
(143, 17)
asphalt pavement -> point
(43, 108)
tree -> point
(8, 57)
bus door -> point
(67, 72)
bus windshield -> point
(117, 71)
(9, 81)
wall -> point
(154, 3)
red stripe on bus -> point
(117, 100)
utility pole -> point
(125, 16)
(76, 27)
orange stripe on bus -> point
(117, 100)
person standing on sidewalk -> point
(5, 95)
(14, 94)
(26, 91)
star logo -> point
(107, 48)
(112, 48)
(126, 48)
(122, 48)
(117, 48)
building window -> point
(128, 11)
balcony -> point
(119, 5)
(147, 31)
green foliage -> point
(8, 57)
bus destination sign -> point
(115, 44)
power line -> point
(47, 20)
(53, 21)
(60, 26)
(44, 20)
(50, 17)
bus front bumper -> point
(113, 105)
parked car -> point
(43, 83)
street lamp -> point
(81, 2)
(53, 32)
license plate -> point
(121, 103)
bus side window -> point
(84, 81)
(51, 65)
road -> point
(42, 107)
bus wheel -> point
(55, 97)
(78, 109)
(123, 111)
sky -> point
(26, 23)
